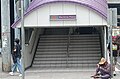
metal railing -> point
(68, 43)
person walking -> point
(16, 58)
(115, 50)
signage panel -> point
(62, 17)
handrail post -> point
(68, 47)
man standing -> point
(16, 58)
(115, 50)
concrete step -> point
(53, 41)
(50, 66)
(53, 52)
(86, 35)
(82, 65)
(64, 62)
(83, 35)
(50, 55)
(50, 47)
(84, 40)
(90, 51)
(80, 38)
(52, 44)
(84, 55)
(56, 38)
(65, 40)
(49, 62)
(69, 58)
(84, 49)
(50, 50)
(70, 55)
(64, 66)
(87, 48)
(65, 53)
(85, 43)
(53, 36)
(70, 49)
(56, 48)
(71, 36)
(84, 46)
(50, 59)
(83, 58)
(70, 52)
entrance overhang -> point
(99, 8)
(68, 26)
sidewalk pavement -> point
(52, 74)
(118, 62)
(118, 59)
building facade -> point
(115, 4)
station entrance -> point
(66, 34)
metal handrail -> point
(68, 43)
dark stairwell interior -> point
(60, 48)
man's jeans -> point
(103, 75)
(17, 64)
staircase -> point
(61, 51)
(84, 51)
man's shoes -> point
(20, 75)
(114, 73)
(11, 73)
(96, 76)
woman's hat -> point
(102, 61)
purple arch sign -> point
(100, 6)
